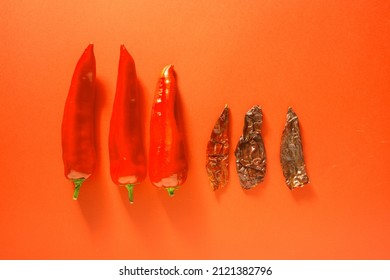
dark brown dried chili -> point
(250, 151)
(217, 154)
(291, 153)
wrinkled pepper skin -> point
(291, 153)
(217, 152)
(126, 149)
(78, 124)
(251, 160)
(167, 160)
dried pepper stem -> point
(291, 153)
(217, 154)
(250, 152)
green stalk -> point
(77, 184)
(130, 190)
(171, 191)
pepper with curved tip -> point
(78, 124)
(291, 153)
(167, 160)
(126, 150)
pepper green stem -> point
(130, 190)
(77, 184)
(171, 191)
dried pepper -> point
(127, 157)
(167, 160)
(217, 160)
(78, 131)
(250, 152)
(291, 153)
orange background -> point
(327, 59)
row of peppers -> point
(251, 159)
(167, 160)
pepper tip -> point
(167, 71)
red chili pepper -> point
(78, 124)
(127, 157)
(167, 161)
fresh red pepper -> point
(78, 124)
(167, 160)
(127, 157)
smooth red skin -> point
(166, 153)
(127, 157)
(78, 124)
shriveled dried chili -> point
(78, 131)
(250, 151)
(291, 153)
(126, 150)
(167, 160)
(217, 153)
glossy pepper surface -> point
(126, 150)
(78, 124)
(167, 160)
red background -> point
(329, 60)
